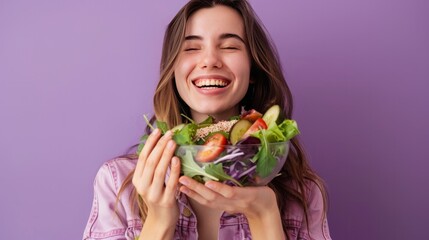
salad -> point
(249, 149)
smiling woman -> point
(216, 60)
(213, 54)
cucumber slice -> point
(238, 130)
(272, 115)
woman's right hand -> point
(149, 180)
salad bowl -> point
(237, 165)
(247, 150)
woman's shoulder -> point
(123, 164)
(314, 191)
(110, 218)
(317, 225)
(314, 195)
(116, 170)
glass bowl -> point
(239, 165)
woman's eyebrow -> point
(222, 37)
(193, 37)
(231, 35)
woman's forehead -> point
(215, 21)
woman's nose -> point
(210, 59)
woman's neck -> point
(208, 220)
(225, 115)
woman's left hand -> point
(251, 201)
(258, 204)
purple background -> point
(77, 76)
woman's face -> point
(212, 70)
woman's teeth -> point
(210, 83)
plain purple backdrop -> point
(76, 78)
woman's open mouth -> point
(211, 83)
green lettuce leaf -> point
(191, 169)
(265, 161)
(289, 128)
(141, 143)
(217, 171)
(162, 126)
(185, 135)
(207, 122)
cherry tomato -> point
(256, 126)
(251, 115)
(213, 147)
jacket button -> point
(186, 212)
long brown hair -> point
(268, 87)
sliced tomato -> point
(212, 148)
(251, 115)
(256, 126)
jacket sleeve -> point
(107, 219)
(317, 221)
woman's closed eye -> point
(230, 47)
(189, 49)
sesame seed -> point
(220, 126)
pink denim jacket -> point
(104, 223)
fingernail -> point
(183, 181)
(210, 185)
(170, 144)
(174, 161)
(168, 133)
(155, 131)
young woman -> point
(216, 59)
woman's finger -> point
(154, 158)
(162, 166)
(225, 190)
(148, 146)
(196, 189)
(192, 194)
(172, 182)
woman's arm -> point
(258, 204)
(158, 195)
(107, 219)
